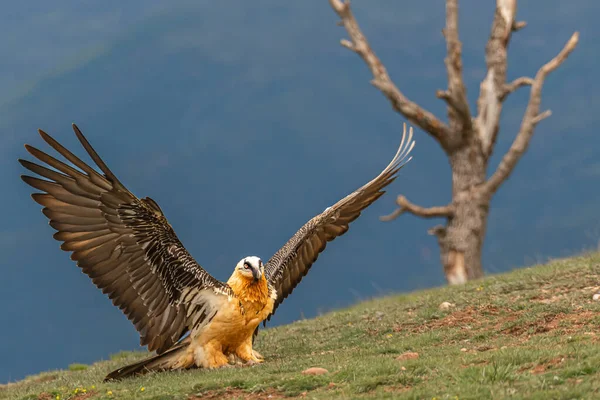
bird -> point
(125, 244)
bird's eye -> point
(246, 265)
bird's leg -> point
(210, 355)
(234, 359)
(257, 355)
(246, 353)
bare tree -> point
(467, 140)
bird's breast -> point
(236, 322)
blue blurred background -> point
(245, 119)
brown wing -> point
(125, 245)
(291, 263)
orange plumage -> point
(229, 334)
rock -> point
(315, 371)
(446, 305)
(409, 355)
(596, 297)
(403, 368)
(464, 350)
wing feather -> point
(292, 262)
(124, 244)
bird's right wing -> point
(125, 245)
(291, 263)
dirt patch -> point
(548, 300)
(409, 355)
(543, 367)
(84, 396)
(45, 396)
(372, 331)
(572, 323)
(463, 318)
(565, 323)
(396, 389)
(44, 378)
(492, 318)
(538, 326)
(469, 318)
(231, 393)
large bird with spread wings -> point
(128, 248)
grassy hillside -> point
(532, 333)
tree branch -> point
(518, 25)
(514, 85)
(456, 96)
(430, 212)
(413, 112)
(492, 88)
(530, 119)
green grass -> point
(77, 367)
(532, 333)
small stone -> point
(403, 368)
(446, 305)
(464, 350)
(596, 297)
(315, 371)
(409, 355)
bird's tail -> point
(161, 362)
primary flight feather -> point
(130, 251)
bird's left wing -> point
(291, 263)
(125, 245)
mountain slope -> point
(527, 334)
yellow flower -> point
(109, 393)
(58, 397)
(142, 389)
(93, 386)
(389, 335)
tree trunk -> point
(461, 240)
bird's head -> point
(251, 268)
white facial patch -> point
(253, 261)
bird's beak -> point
(256, 274)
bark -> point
(467, 140)
(461, 240)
